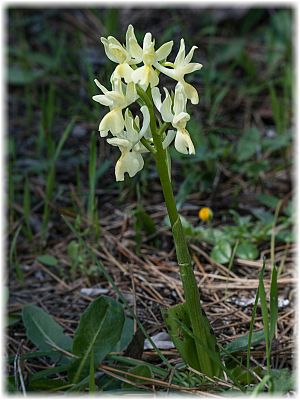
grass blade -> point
(13, 257)
(273, 303)
(252, 323)
(265, 315)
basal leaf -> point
(126, 336)
(99, 331)
(184, 343)
(43, 331)
(179, 327)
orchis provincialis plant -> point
(162, 122)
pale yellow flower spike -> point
(138, 67)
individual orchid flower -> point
(180, 68)
(117, 99)
(128, 141)
(146, 74)
(120, 55)
(177, 116)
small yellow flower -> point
(205, 214)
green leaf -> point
(126, 336)
(284, 380)
(43, 331)
(92, 384)
(221, 252)
(34, 354)
(48, 260)
(241, 343)
(19, 76)
(179, 326)
(48, 372)
(144, 221)
(265, 315)
(186, 187)
(184, 343)
(245, 377)
(273, 303)
(247, 251)
(248, 144)
(268, 200)
(11, 385)
(251, 19)
(99, 331)
(253, 315)
(276, 143)
(286, 236)
(230, 51)
(46, 384)
(140, 370)
(264, 216)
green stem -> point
(148, 146)
(191, 292)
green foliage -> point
(221, 251)
(179, 326)
(47, 260)
(248, 232)
(241, 343)
(98, 332)
(102, 329)
(50, 181)
(19, 76)
(13, 256)
(126, 335)
(74, 256)
(184, 343)
(43, 331)
(269, 317)
(248, 144)
(268, 200)
(283, 381)
(141, 371)
(247, 251)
